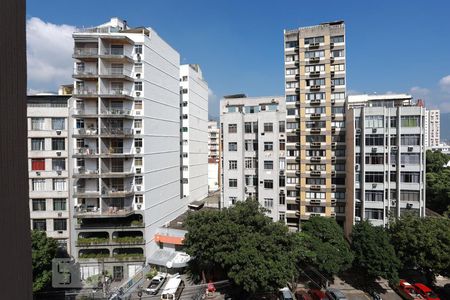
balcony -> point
(116, 172)
(116, 93)
(108, 211)
(85, 93)
(117, 113)
(117, 73)
(315, 187)
(117, 191)
(315, 101)
(314, 87)
(314, 74)
(116, 55)
(82, 172)
(85, 151)
(316, 173)
(86, 74)
(316, 144)
(316, 158)
(85, 132)
(314, 60)
(315, 130)
(116, 132)
(85, 53)
(313, 46)
(315, 116)
(83, 112)
(82, 192)
(116, 151)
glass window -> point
(248, 127)
(337, 39)
(232, 128)
(38, 184)
(282, 145)
(374, 196)
(58, 164)
(58, 123)
(268, 202)
(314, 40)
(281, 126)
(311, 54)
(59, 224)
(59, 204)
(138, 123)
(374, 214)
(291, 98)
(138, 49)
(282, 199)
(38, 164)
(268, 146)
(409, 195)
(138, 86)
(37, 123)
(39, 224)
(268, 127)
(37, 144)
(410, 158)
(410, 177)
(58, 144)
(138, 67)
(138, 104)
(232, 164)
(268, 184)
(39, 204)
(410, 139)
(337, 53)
(291, 44)
(232, 146)
(374, 121)
(410, 121)
(59, 184)
(232, 183)
(268, 164)
(138, 143)
(374, 177)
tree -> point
(436, 161)
(373, 252)
(254, 252)
(43, 251)
(423, 243)
(438, 178)
(327, 248)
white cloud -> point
(444, 83)
(419, 92)
(49, 55)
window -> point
(338, 81)
(39, 224)
(268, 202)
(374, 196)
(291, 98)
(59, 224)
(232, 128)
(37, 144)
(138, 161)
(248, 127)
(314, 40)
(282, 217)
(314, 68)
(337, 39)
(291, 71)
(410, 177)
(232, 183)
(58, 144)
(292, 125)
(337, 53)
(292, 180)
(374, 214)
(374, 140)
(315, 110)
(315, 82)
(58, 164)
(232, 164)
(315, 181)
(410, 158)
(291, 111)
(375, 158)
(315, 138)
(374, 121)
(268, 184)
(268, 146)
(138, 86)
(232, 146)
(291, 44)
(58, 123)
(337, 110)
(410, 121)
(38, 184)
(282, 199)
(281, 126)
(311, 54)
(138, 67)
(232, 200)
(292, 84)
(268, 164)
(38, 164)
(409, 195)
(315, 209)
(282, 162)
(251, 109)
(250, 163)
(338, 96)
(59, 204)
(37, 123)
(268, 127)
(138, 180)
(337, 67)
(315, 96)
(410, 139)
(282, 145)
(138, 143)
(138, 49)
(281, 180)
(138, 104)
(251, 180)
(138, 123)
(38, 204)
(374, 177)
(184, 129)
(315, 195)
(59, 184)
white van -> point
(173, 289)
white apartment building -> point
(194, 133)
(48, 169)
(253, 153)
(385, 158)
(125, 125)
(213, 156)
(433, 128)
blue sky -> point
(392, 46)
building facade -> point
(433, 125)
(385, 158)
(194, 133)
(253, 153)
(315, 86)
(213, 156)
(48, 171)
(125, 125)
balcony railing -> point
(86, 191)
(117, 112)
(85, 151)
(116, 150)
(84, 111)
(117, 191)
(116, 131)
(85, 92)
(86, 210)
(86, 131)
(116, 92)
(89, 71)
(85, 51)
(117, 71)
(84, 171)
(115, 210)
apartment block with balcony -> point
(213, 156)
(48, 169)
(126, 155)
(315, 86)
(253, 154)
(194, 133)
(385, 158)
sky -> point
(392, 46)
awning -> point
(169, 259)
(166, 239)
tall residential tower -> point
(315, 143)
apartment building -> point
(433, 127)
(125, 125)
(48, 146)
(194, 133)
(315, 86)
(385, 158)
(213, 156)
(253, 153)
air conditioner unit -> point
(374, 150)
(138, 132)
(357, 167)
(139, 206)
(138, 57)
(58, 153)
(138, 150)
(410, 149)
(138, 170)
(59, 215)
(59, 172)
(358, 130)
(138, 75)
(138, 188)
(138, 94)
(60, 231)
(394, 148)
(38, 173)
(374, 130)
(374, 185)
(393, 202)
(138, 113)
(58, 132)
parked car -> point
(425, 291)
(407, 291)
(317, 295)
(285, 294)
(155, 284)
(335, 294)
(302, 295)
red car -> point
(425, 291)
(408, 291)
(302, 295)
(317, 295)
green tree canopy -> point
(436, 161)
(423, 243)
(373, 252)
(43, 251)
(438, 182)
(254, 252)
(327, 249)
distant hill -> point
(445, 127)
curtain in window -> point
(38, 164)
